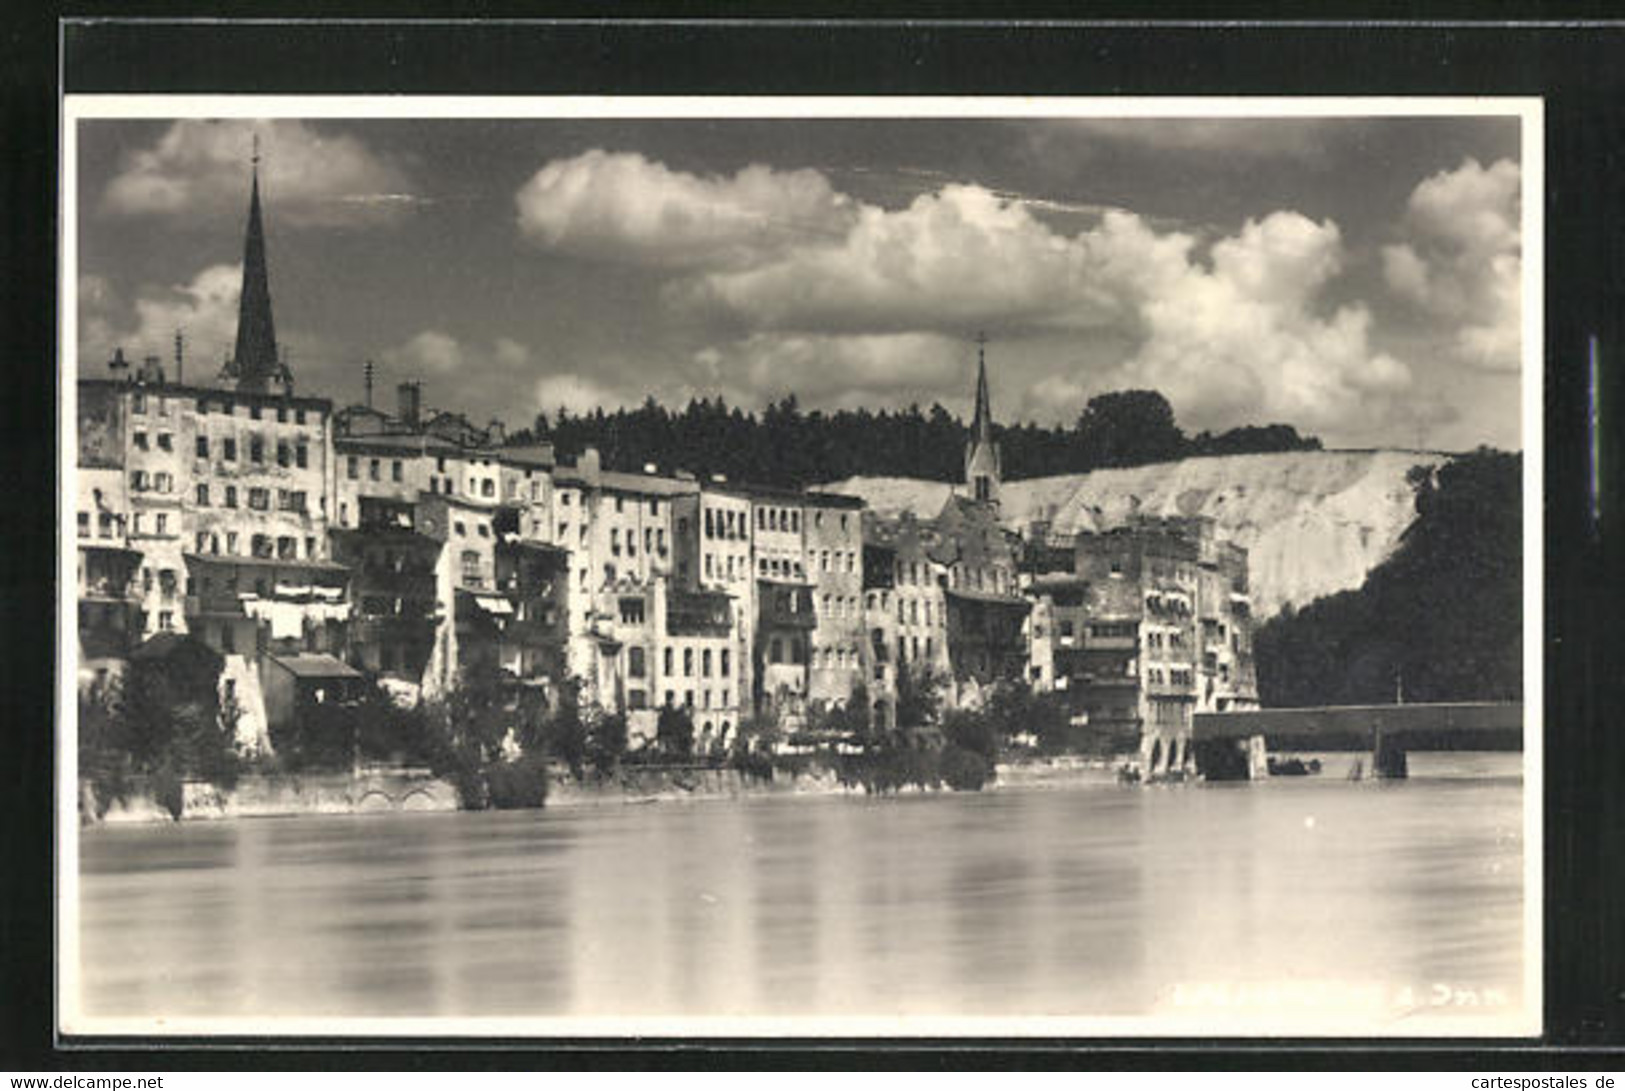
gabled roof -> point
(314, 665)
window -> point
(166, 442)
(104, 525)
(203, 447)
(634, 662)
(202, 542)
(299, 416)
(654, 507)
(231, 542)
(724, 664)
(394, 469)
(259, 499)
(162, 481)
(84, 524)
(260, 546)
(705, 662)
(709, 524)
(301, 455)
(310, 548)
(141, 441)
(203, 496)
(282, 414)
(620, 506)
(256, 449)
(352, 467)
(372, 469)
(688, 662)
(483, 530)
(668, 669)
(254, 412)
(166, 621)
(287, 548)
(230, 452)
(471, 567)
(632, 612)
(138, 403)
(297, 500)
(775, 651)
(231, 496)
(487, 488)
(615, 540)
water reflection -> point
(1100, 901)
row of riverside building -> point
(308, 549)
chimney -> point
(497, 433)
(411, 402)
(152, 370)
(590, 465)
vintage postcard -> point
(800, 566)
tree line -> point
(787, 446)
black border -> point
(1575, 67)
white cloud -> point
(832, 371)
(429, 353)
(1242, 340)
(308, 177)
(1463, 265)
(622, 207)
(205, 308)
(950, 261)
(576, 392)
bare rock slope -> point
(1313, 522)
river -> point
(1383, 900)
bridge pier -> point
(1166, 754)
(1239, 758)
(1388, 759)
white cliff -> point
(1313, 522)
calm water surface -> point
(1087, 901)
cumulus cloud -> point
(1463, 265)
(205, 308)
(1242, 339)
(952, 260)
(832, 371)
(310, 176)
(576, 392)
(435, 354)
(622, 207)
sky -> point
(1357, 278)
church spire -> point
(982, 423)
(255, 362)
(982, 470)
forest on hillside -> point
(1440, 620)
(786, 446)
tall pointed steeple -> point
(982, 424)
(255, 363)
(982, 472)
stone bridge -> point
(1235, 745)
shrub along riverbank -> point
(499, 745)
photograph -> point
(790, 567)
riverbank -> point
(377, 792)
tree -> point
(674, 731)
(1443, 616)
(1129, 428)
(919, 696)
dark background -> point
(1578, 68)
